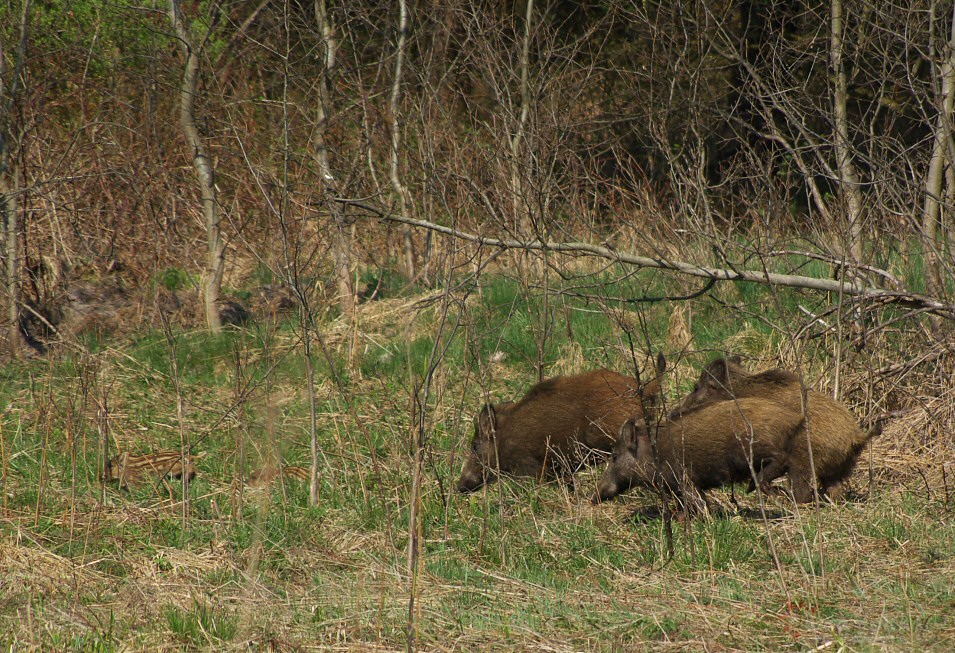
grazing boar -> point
(834, 435)
(555, 427)
(127, 469)
(719, 444)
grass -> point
(519, 565)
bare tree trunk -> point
(11, 251)
(103, 422)
(215, 261)
(184, 446)
(315, 451)
(341, 239)
(10, 192)
(936, 168)
(407, 243)
(945, 212)
(522, 217)
(848, 175)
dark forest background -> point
(727, 134)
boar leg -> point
(834, 491)
(693, 499)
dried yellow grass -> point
(679, 333)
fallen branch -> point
(832, 260)
(848, 287)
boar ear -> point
(486, 422)
(734, 359)
(627, 433)
(661, 364)
(717, 373)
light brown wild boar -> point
(554, 428)
(834, 434)
(719, 444)
(128, 469)
(264, 476)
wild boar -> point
(555, 427)
(719, 444)
(128, 469)
(264, 476)
(834, 435)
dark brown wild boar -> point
(834, 434)
(719, 444)
(554, 428)
(128, 469)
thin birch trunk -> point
(215, 258)
(9, 192)
(945, 214)
(848, 175)
(314, 449)
(936, 169)
(341, 238)
(103, 423)
(522, 218)
(407, 242)
(8, 199)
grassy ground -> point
(518, 566)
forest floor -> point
(519, 565)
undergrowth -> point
(520, 564)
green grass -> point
(201, 625)
(517, 565)
(174, 279)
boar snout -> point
(605, 492)
(469, 482)
(474, 476)
(466, 487)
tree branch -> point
(856, 288)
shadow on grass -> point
(654, 512)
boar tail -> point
(873, 429)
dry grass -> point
(350, 591)
(520, 566)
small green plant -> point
(173, 279)
(202, 623)
(97, 641)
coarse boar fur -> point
(834, 437)
(555, 427)
(719, 444)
